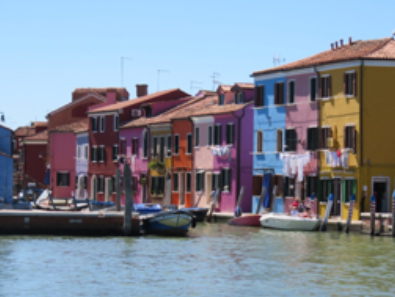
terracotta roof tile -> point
(82, 92)
(245, 86)
(39, 136)
(39, 124)
(369, 49)
(24, 131)
(144, 99)
(225, 88)
(75, 127)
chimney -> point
(341, 42)
(349, 40)
(336, 45)
(331, 46)
(141, 90)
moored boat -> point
(246, 220)
(172, 223)
(199, 212)
(286, 222)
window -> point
(350, 136)
(100, 184)
(226, 180)
(239, 97)
(221, 99)
(230, 134)
(94, 154)
(134, 146)
(325, 87)
(101, 153)
(210, 135)
(278, 185)
(122, 150)
(279, 93)
(313, 89)
(102, 124)
(289, 187)
(189, 143)
(326, 132)
(312, 139)
(176, 144)
(175, 181)
(259, 141)
(78, 152)
(217, 134)
(197, 136)
(350, 84)
(216, 181)
(157, 185)
(279, 142)
(145, 144)
(162, 149)
(291, 139)
(199, 181)
(86, 148)
(168, 147)
(94, 124)
(189, 182)
(311, 185)
(257, 181)
(116, 122)
(63, 179)
(325, 189)
(155, 146)
(291, 92)
(259, 94)
(350, 188)
(115, 152)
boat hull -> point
(246, 220)
(285, 222)
(171, 223)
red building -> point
(105, 144)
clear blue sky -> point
(49, 48)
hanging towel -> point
(301, 161)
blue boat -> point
(170, 223)
(145, 208)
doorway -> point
(337, 190)
(380, 191)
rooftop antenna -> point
(192, 85)
(2, 117)
(159, 71)
(214, 76)
(122, 61)
(277, 60)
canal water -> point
(215, 260)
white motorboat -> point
(283, 221)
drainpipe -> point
(238, 149)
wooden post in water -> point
(372, 214)
(238, 210)
(393, 214)
(263, 193)
(350, 211)
(214, 201)
(200, 197)
(327, 212)
(127, 219)
(118, 189)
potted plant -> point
(156, 165)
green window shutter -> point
(344, 192)
(354, 188)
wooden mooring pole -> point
(372, 214)
(118, 189)
(350, 211)
(393, 214)
(263, 193)
(214, 202)
(127, 220)
(327, 212)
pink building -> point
(302, 132)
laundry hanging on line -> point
(293, 164)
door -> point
(380, 192)
(182, 189)
(337, 190)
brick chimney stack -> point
(350, 40)
(141, 90)
(341, 42)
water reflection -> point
(216, 259)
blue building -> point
(6, 164)
(269, 130)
